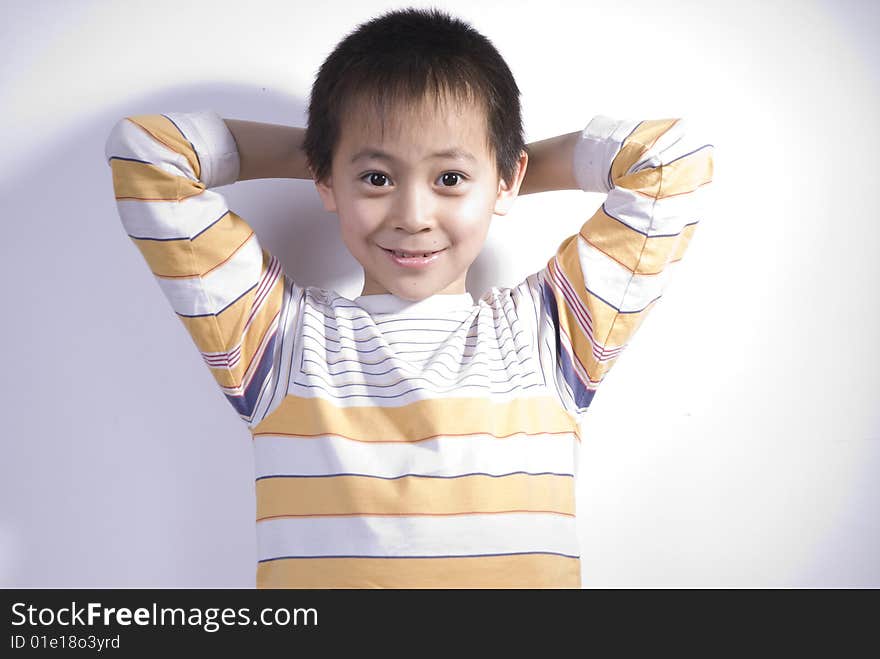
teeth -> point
(403, 255)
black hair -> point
(401, 58)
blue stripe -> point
(437, 360)
(399, 343)
(225, 213)
(195, 151)
(393, 384)
(611, 165)
(535, 309)
(394, 358)
(288, 301)
(158, 240)
(205, 315)
(699, 148)
(334, 326)
(429, 369)
(246, 403)
(450, 334)
(617, 309)
(513, 553)
(400, 395)
(446, 332)
(222, 215)
(582, 396)
(645, 233)
(145, 162)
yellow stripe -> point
(519, 571)
(200, 256)
(413, 495)
(139, 180)
(629, 248)
(164, 131)
(417, 421)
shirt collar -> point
(389, 303)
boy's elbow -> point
(115, 139)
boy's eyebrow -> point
(456, 153)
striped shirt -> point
(400, 444)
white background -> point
(736, 443)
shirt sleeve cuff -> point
(595, 150)
(213, 143)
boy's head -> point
(410, 84)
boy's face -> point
(415, 201)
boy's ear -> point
(325, 189)
(507, 193)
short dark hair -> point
(401, 58)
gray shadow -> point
(128, 467)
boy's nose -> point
(414, 210)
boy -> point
(411, 438)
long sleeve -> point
(602, 282)
(230, 293)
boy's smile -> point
(429, 184)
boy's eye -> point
(452, 178)
(376, 179)
(449, 179)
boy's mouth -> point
(403, 254)
(416, 260)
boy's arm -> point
(269, 150)
(602, 282)
(229, 292)
(550, 165)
